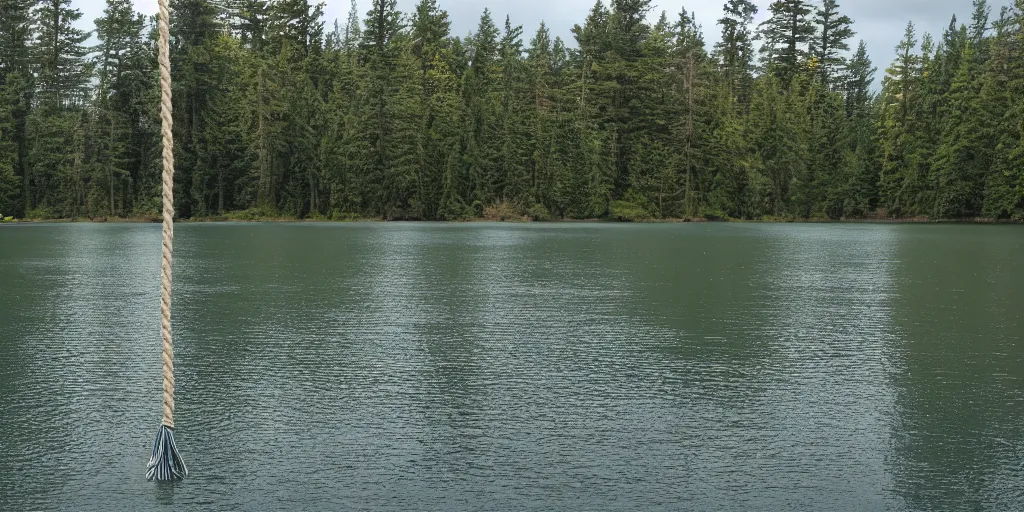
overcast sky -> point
(879, 22)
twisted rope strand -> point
(165, 464)
(166, 123)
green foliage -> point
(41, 213)
(829, 42)
(502, 211)
(786, 35)
(632, 208)
(254, 214)
(539, 213)
(736, 49)
(388, 115)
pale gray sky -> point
(879, 22)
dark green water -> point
(518, 367)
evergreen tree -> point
(862, 192)
(830, 42)
(389, 117)
(16, 89)
(961, 160)
(512, 181)
(479, 87)
(1002, 87)
(900, 145)
(541, 67)
(121, 108)
(63, 72)
(778, 126)
(859, 77)
(56, 127)
(786, 35)
(439, 136)
(194, 32)
(735, 51)
(10, 203)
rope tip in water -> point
(165, 465)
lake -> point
(401, 366)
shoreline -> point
(288, 220)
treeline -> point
(390, 115)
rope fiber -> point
(165, 463)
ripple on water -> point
(412, 366)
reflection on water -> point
(512, 367)
(960, 378)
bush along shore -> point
(507, 213)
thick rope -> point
(166, 123)
(165, 464)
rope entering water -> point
(165, 463)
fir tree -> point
(786, 35)
(735, 51)
(830, 42)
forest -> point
(280, 114)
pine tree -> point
(618, 85)
(735, 51)
(1002, 87)
(479, 87)
(15, 36)
(343, 149)
(389, 115)
(10, 200)
(653, 178)
(862, 192)
(979, 23)
(541, 66)
(438, 147)
(251, 20)
(431, 34)
(60, 48)
(297, 26)
(786, 35)
(225, 148)
(194, 32)
(830, 42)
(901, 156)
(831, 168)
(693, 80)
(512, 181)
(590, 147)
(121, 112)
(16, 89)
(961, 160)
(779, 123)
(859, 77)
(55, 128)
(731, 158)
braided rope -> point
(166, 123)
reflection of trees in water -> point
(959, 415)
(802, 313)
(701, 297)
(829, 300)
(259, 350)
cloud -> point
(879, 22)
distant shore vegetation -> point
(280, 114)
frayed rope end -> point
(165, 465)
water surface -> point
(518, 367)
